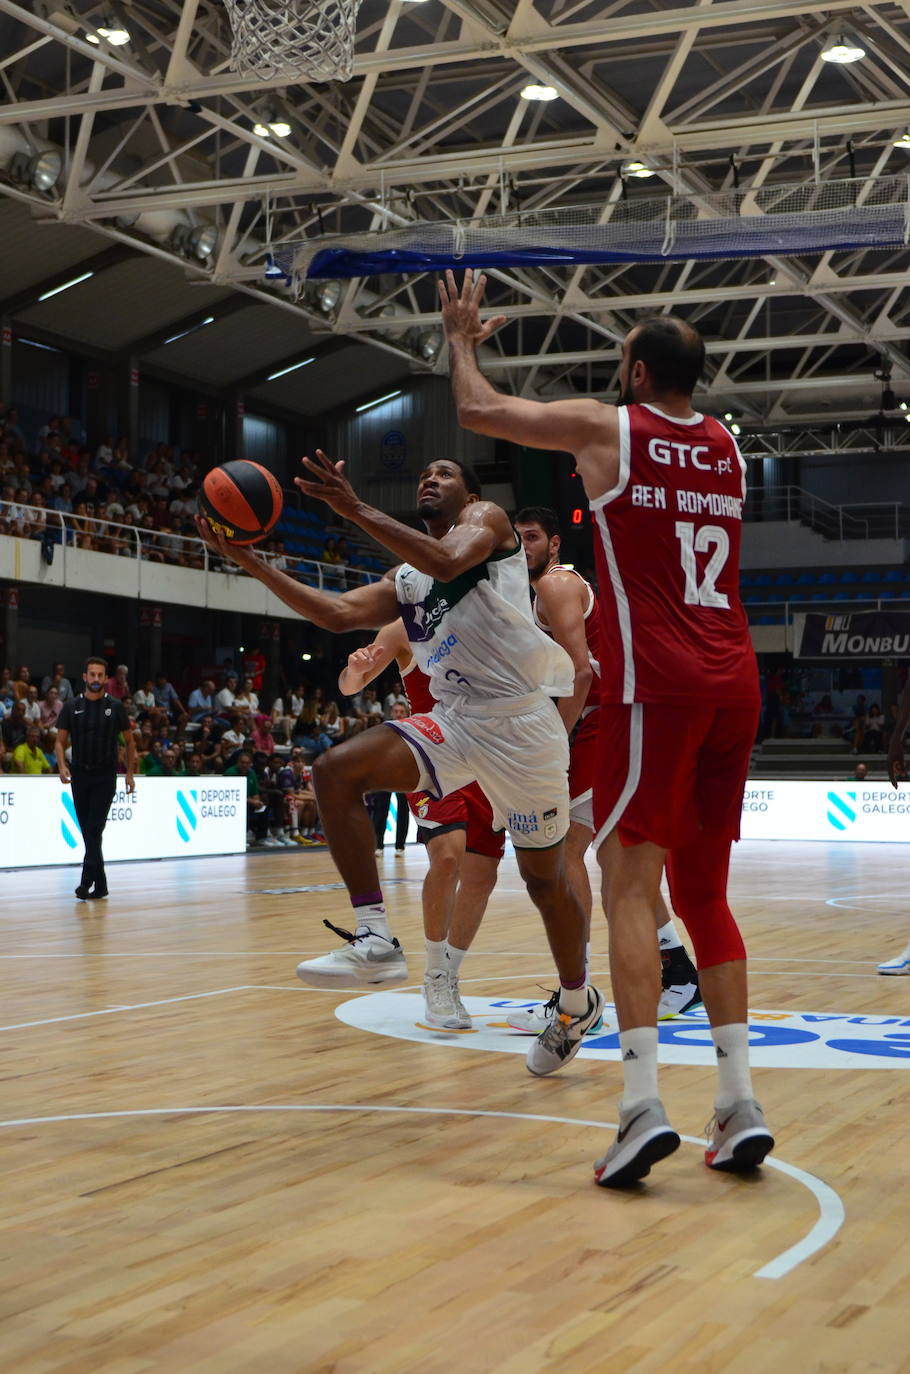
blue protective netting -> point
(771, 221)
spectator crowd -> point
(221, 729)
(56, 486)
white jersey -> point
(475, 636)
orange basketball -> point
(241, 500)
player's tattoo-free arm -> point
(365, 665)
(362, 608)
(560, 598)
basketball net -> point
(311, 40)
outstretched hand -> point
(238, 553)
(461, 309)
(333, 487)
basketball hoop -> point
(309, 40)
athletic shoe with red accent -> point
(739, 1137)
(644, 1137)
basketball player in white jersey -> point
(463, 849)
(464, 598)
(565, 606)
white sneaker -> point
(897, 966)
(366, 959)
(534, 1020)
(461, 1011)
(562, 1038)
(439, 1005)
(270, 842)
(675, 1000)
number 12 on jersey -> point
(690, 543)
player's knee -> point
(716, 938)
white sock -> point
(667, 937)
(372, 917)
(734, 1075)
(639, 1064)
(436, 956)
(454, 957)
(574, 1001)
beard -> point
(537, 567)
(428, 510)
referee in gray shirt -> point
(93, 722)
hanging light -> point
(534, 92)
(203, 241)
(111, 30)
(637, 169)
(272, 124)
(328, 294)
(843, 51)
(428, 345)
(903, 141)
(42, 170)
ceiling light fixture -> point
(429, 344)
(637, 169)
(903, 141)
(111, 30)
(367, 405)
(285, 370)
(843, 52)
(728, 415)
(272, 124)
(203, 240)
(534, 92)
(66, 286)
(328, 294)
(41, 170)
(735, 429)
(209, 319)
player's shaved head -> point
(672, 350)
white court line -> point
(110, 1011)
(831, 1209)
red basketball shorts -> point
(667, 773)
(468, 810)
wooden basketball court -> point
(206, 1169)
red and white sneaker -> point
(739, 1137)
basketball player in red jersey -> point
(679, 687)
(565, 607)
(462, 845)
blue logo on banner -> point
(187, 814)
(67, 820)
(840, 812)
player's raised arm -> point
(572, 426)
(362, 608)
(481, 529)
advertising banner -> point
(163, 818)
(868, 812)
(868, 634)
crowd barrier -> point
(163, 818)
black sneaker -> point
(679, 985)
(82, 892)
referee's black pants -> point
(379, 808)
(92, 797)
